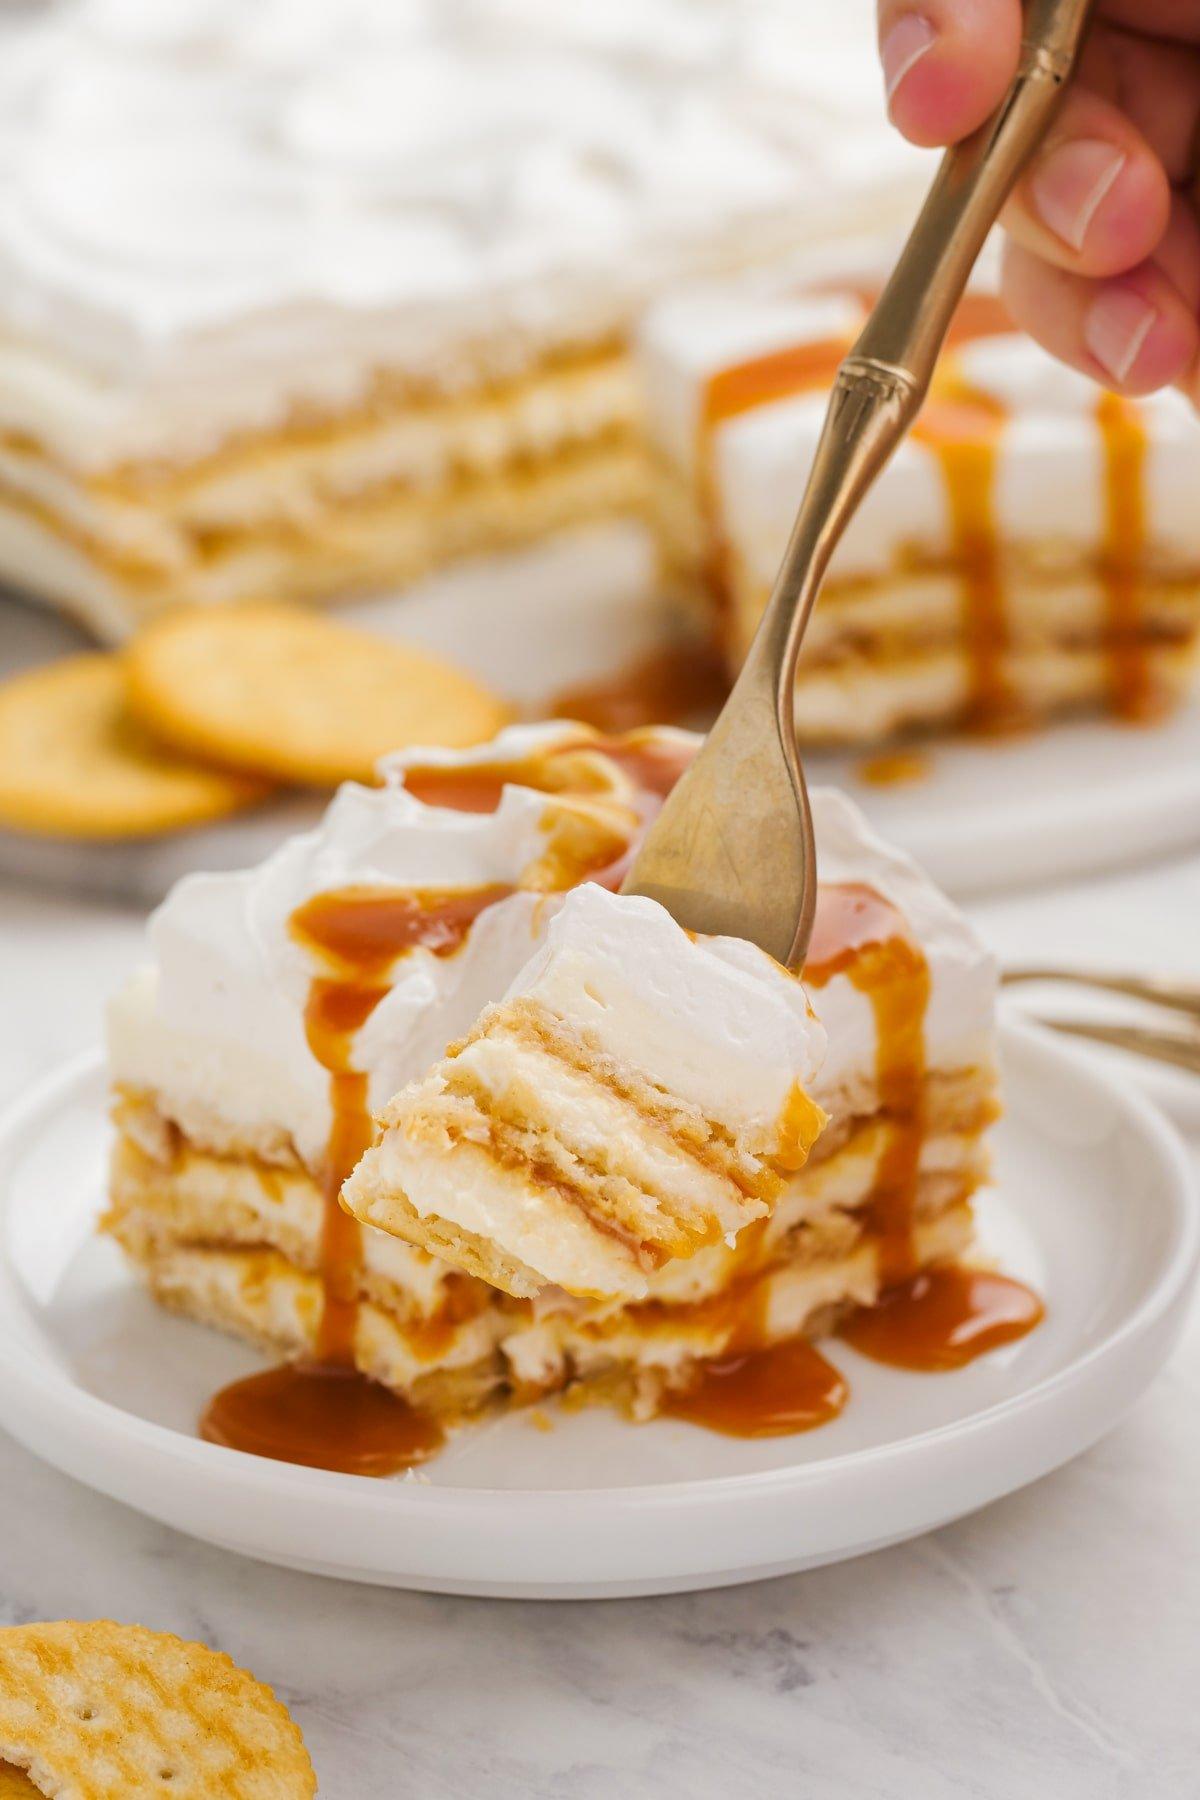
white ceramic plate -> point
(1094, 1204)
(1067, 801)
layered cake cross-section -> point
(583, 1149)
(1032, 549)
(636, 1095)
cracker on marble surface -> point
(95, 1710)
(298, 696)
(73, 763)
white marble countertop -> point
(1047, 1647)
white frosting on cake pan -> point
(210, 214)
(215, 1027)
(1049, 483)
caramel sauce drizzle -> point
(800, 1124)
(324, 1413)
(755, 1388)
(930, 1319)
(1125, 447)
(962, 426)
(942, 1318)
(859, 934)
(324, 1416)
(742, 388)
(359, 934)
(774, 1392)
(653, 766)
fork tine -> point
(1160, 990)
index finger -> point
(947, 64)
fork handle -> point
(1173, 993)
(882, 382)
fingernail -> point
(1115, 327)
(1069, 184)
(904, 44)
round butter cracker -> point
(73, 763)
(99, 1711)
(298, 696)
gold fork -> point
(1178, 1045)
(732, 850)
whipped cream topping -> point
(516, 744)
(216, 213)
(715, 1020)
(215, 1026)
(1049, 486)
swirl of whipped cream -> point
(194, 188)
(215, 1024)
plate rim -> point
(1180, 1263)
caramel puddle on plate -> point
(325, 1416)
(895, 770)
(787, 1387)
(943, 1318)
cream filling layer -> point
(293, 477)
(593, 1125)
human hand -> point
(1102, 258)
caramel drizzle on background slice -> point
(1125, 446)
(960, 426)
(741, 388)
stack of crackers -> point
(208, 712)
(99, 1711)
